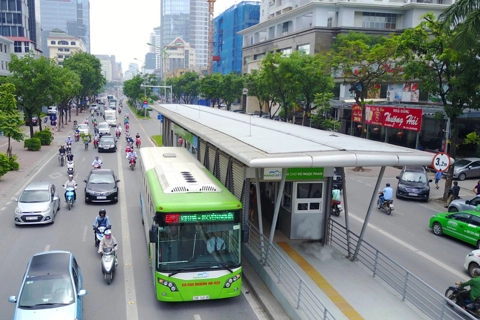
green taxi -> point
(463, 225)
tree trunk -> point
(452, 153)
(40, 123)
(70, 114)
(9, 149)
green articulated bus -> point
(193, 228)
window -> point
(66, 49)
(63, 43)
(53, 42)
(287, 195)
(285, 28)
(304, 48)
(60, 56)
(73, 43)
(27, 46)
(375, 20)
(5, 47)
(463, 217)
(2, 65)
(60, 49)
(66, 57)
(475, 221)
(329, 22)
(309, 190)
(17, 46)
(286, 52)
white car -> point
(52, 110)
(472, 261)
(83, 128)
(103, 128)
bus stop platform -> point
(312, 281)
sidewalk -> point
(31, 161)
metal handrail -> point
(298, 293)
(428, 300)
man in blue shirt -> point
(386, 194)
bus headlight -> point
(171, 285)
(231, 280)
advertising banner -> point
(356, 113)
(394, 117)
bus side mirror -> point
(245, 235)
(153, 234)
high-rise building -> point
(227, 41)
(71, 16)
(187, 19)
(62, 45)
(156, 47)
(114, 72)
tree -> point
(256, 88)
(10, 120)
(33, 79)
(132, 89)
(89, 69)
(188, 86)
(211, 88)
(364, 61)
(322, 118)
(176, 90)
(231, 90)
(464, 16)
(68, 87)
(445, 72)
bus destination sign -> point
(206, 217)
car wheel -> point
(437, 229)
(472, 266)
(462, 176)
(452, 209)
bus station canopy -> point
(265, 143)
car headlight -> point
(17, 210)
(112, 145)
(45, 210)
(173, 287)
(90, 191)
(231, 280)
(401, 186)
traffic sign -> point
(145, 101)
(245, 91)
(160, 117)
(441, 162)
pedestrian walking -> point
(476, 189)
(438, 177)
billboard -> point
(394, 117)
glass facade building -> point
(227, 43)
(18, 18)
(186, 19)
(71, 16)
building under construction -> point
(227, 42)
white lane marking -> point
(47, 248)
(197, 317)
(83, 159)
(129, 279)
(428, 207)
(84, 237)
(368, 184)
(3, 208)
(259, 312)
(76, 175)
(8, 203)
(13, 198)
(460, 275)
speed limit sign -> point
(441, 162)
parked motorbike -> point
(109, 264)
(472, 307)
(138, 143)
(70, 167)
(336, 208)
(132, 163)
(387, 206)
(99, 232)
(70, 193)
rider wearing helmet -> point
(385, 194)
(101, 220)
(71, 184)
(473, 293)
(97, 161)
(69, 140)
(108, 241)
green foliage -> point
(211, 87)
(158, 140)
(188, 86)
(132, 89)
(45, 136)
(89, 70)
(464, 16)
(256, 88)
(472, 138)
(13, 163)
(32, 144)
(4, 164)
(10, 119)
(231, 90)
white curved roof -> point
(264, 143)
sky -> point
(122, 28)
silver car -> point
(38, 204)
(464, 204)
(82, 127)
(103, 128)
(466, 168)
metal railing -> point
(411, 288)
(297, 292)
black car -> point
(413, 183)
(101, 186)
(107, 143)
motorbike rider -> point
(71, 184)
(473, 293)
(385, 194)
(132, 154)
(70, 157)
(69, 140)
(335, 194)
(97, 161)
(108, 241)
(137, 136)
(129, 140)
(101, 220)
(62, 150)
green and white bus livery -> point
(193, 228)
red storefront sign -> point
(356, 113)
(394, 117)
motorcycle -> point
(109, 264)
(70, 167)
(95, 143)
(387, 206)
(472, 307)
(70, 194)
(119, 110)
(61, 159)
(86, 144)
(117, 133)
(77, 136)
(138, 143)
(336, 208)
(97, 166)
(69, 149)
(99, 231)
(132, 163)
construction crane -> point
(211, 4)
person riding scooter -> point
(108, 241)
(385, 194)
(474, 293)
(71, 184)
(132, 155)
(97, 163)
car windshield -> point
(49, 291)
(109, 118)
(185, 246)
(101, 179)
(103, 126)
(82, 126)
(462, 163)
(107, 140)
(32, 196)
(414, 177)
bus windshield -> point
(191, 246)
